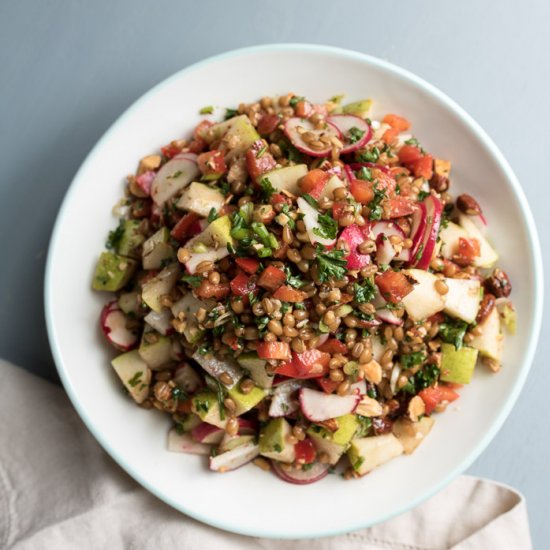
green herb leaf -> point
(286, 210)
(212, 215)
(136, 379)
(311, 201)
(376, 210)
(422, 195)
(292, 280)
(261, 152)
(175, 175)
(355, 134)
(371, 155)
(452, 331)
(424, 378)
(330, 263)
(267, 189)
(364, 292)
(113, 241)
(328, 227)
(192, 280)
(408, 361)
(295, 100)
(230, 113)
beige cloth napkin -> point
(59, 490)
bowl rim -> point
(426, 87)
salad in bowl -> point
(297, 286)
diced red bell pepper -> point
(274, 350)
(268, 124)
(310, 364)
(327, 385)
(338, 210)
(314, 182)
(259, 160)
(170, 151)
(250, 265)
(211, 290)
(361, 190)
(435, 395)
(390, 135)
(271, 278)
(303, 108)
(242, 285)
(400, 207)
(468, 251)
(212, 164)
(393, 286)
(185, 227)
(397, 122)
(279, 198)
(354, 236)
(332, 346)
(409, 153)
(286, 293)
(305, 451)
(422, 167)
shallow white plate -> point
(250, 501)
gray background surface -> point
(69, 68)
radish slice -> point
(237, 457)
(345, 123)
(422, 256)
(206, 433)
(293, 130)
(358, 387)
(188, 156)
(247, 427)
(388, 316)
(184, 443)
(322, 339)
(160, 321)
(311, 221)
(418, 227)
(113, 324)
(172, 178)
(283, 403)
(384, 251)
(298, 476)
(145, 181)
(187, 379)
(396, 371)
(388, 229)
(318, 406)
(353, 235)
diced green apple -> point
(246, 401)
(206, 406)
(157, 250)
(367, 453)
(113, 272)
(463, 298)
(256, 368)
(216, 234)
(287, 178)
(334, 443)
(457, 365)
(274, 441)
(155, 349)
(131, 239)
(201, 199)
(134, 373)
(449, 237)
(360, 108)
(160, 285)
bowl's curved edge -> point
(519, 195)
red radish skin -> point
(298, 476)
(113, 324)
(318, 406)
(388, 316)
(354, 236)
(425, 251)
(419, 220)
(206, 433)
(344, 123)
(145, 181)
(291, 131)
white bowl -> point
(249, 501)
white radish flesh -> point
(237, 457)
(345, 123)
(172, 178)
(296, 127)
(311, 216)
(216, 367)
(212, 255)
(318, 406)
(283, 403)
(113, 324)
(160, 321)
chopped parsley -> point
(212, 215)
(292, 280)
(424, 378)
(412, 141)
(364, 293)
(376, 210)
(295, 100)
(230, 113)
(113, 241)
(286, 210)
(422, 195)
(200, 405)
(277, 448)
(310, 200)
(178, 394)
(452, 331)
(364, 174)
(136, 379)
(419, 253)
(365, 425)
(208, 110)
(192, 280)
(330, 263)
(328, 227)
(220, 398)
(371, 155)
(267, 189)
(261, 152)
(410, 360)
(355, 134)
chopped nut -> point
(416, 408)
(373, 371)
(331, 424)
(368, 407)
(150, 162)
(467, 204)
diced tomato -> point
(212, 164)
(250, 265)
(271, 278)
(279, 198)
(303, 109)
(468, 251)
(288, 369)
(409, 153)
(389, 135)
(327, 385)
(384, 181)
(286, 293)
(268, 124)
(399, 171)
(314, 182)
(361, 190)
(397, 122)
(422, 167)
(280, 252)
(393, 286)
(274, 350)
(211, 290)
(400, 207)
(332, 345)
(338, 209)
(305, 451)
(242, 285)
(259, 160)
(312, 363)
(183, 229)
(170, 151)
(200, 129)
(434, 396)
